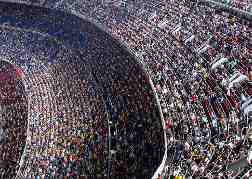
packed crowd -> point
(69, 127)
(199, 60)
(71, 102)
(202, 80)
(136, 137)
(13, 120)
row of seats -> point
(244, 5)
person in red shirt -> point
(168, 126)
(194, 98)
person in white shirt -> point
(1, 135)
